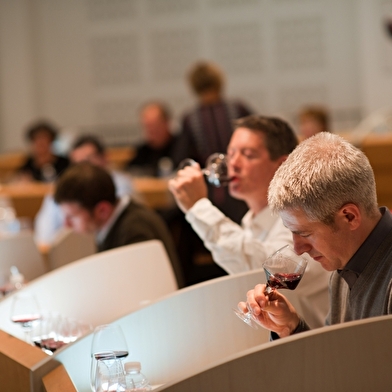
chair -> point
(21, 251)
(69, 246)
(181, 333)
(353, 356)
(100, 288)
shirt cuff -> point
(301, 327)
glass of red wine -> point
(108, 342)
(25, 311)
(284, 270)
(215, 169)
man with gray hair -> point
(325, 193)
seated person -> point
(49, 218)
(86, 195)
(312, 120)
(257, 148)
(156, 155)
(42, 164)
(325, 193)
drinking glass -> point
(284, 270)
(215, 169)
(109, 374)
(108, 341)
(25, 311)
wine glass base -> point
(246, 318)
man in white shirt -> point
(258, 146)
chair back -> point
(353, 356)
(103, 287)
(69, 246)
(181, 333)
(21, 251)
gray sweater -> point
(371, 294)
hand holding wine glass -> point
(265, 305)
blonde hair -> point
(321, 175)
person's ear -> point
(351, 215)
(103, 211)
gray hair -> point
(321, 175)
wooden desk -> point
(154, 192)
(378, 149)
(27, 197)
(22, 366)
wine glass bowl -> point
(25, 311)
(107, 339)
(284, 270)
(215, 169)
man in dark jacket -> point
(87, 197)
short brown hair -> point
(86, 184)
(41, 126)
(163, 108)
(318, 113)
(205, 76)
(280, 138)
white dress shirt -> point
(242, 248)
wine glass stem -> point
(268, 290)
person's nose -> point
(233, 161)
(301, 244)
(68, 223)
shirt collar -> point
(261, 222)
(358, 262)
(120, 207)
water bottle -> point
(15, 282)
(135, 380)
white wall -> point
(90, 63)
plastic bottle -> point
(136, 381)
(16, 280)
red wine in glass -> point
(281, 280)
(25, 320)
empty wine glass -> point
(108, 340)
(284, 270)
(215, 169)
(109, 374)
(25, 311)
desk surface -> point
(27, 197)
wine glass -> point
(284, 270)
(108, 341)
(25, 311)
(215, 169)
(109, 374)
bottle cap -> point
(128, 366)
(16, 276)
